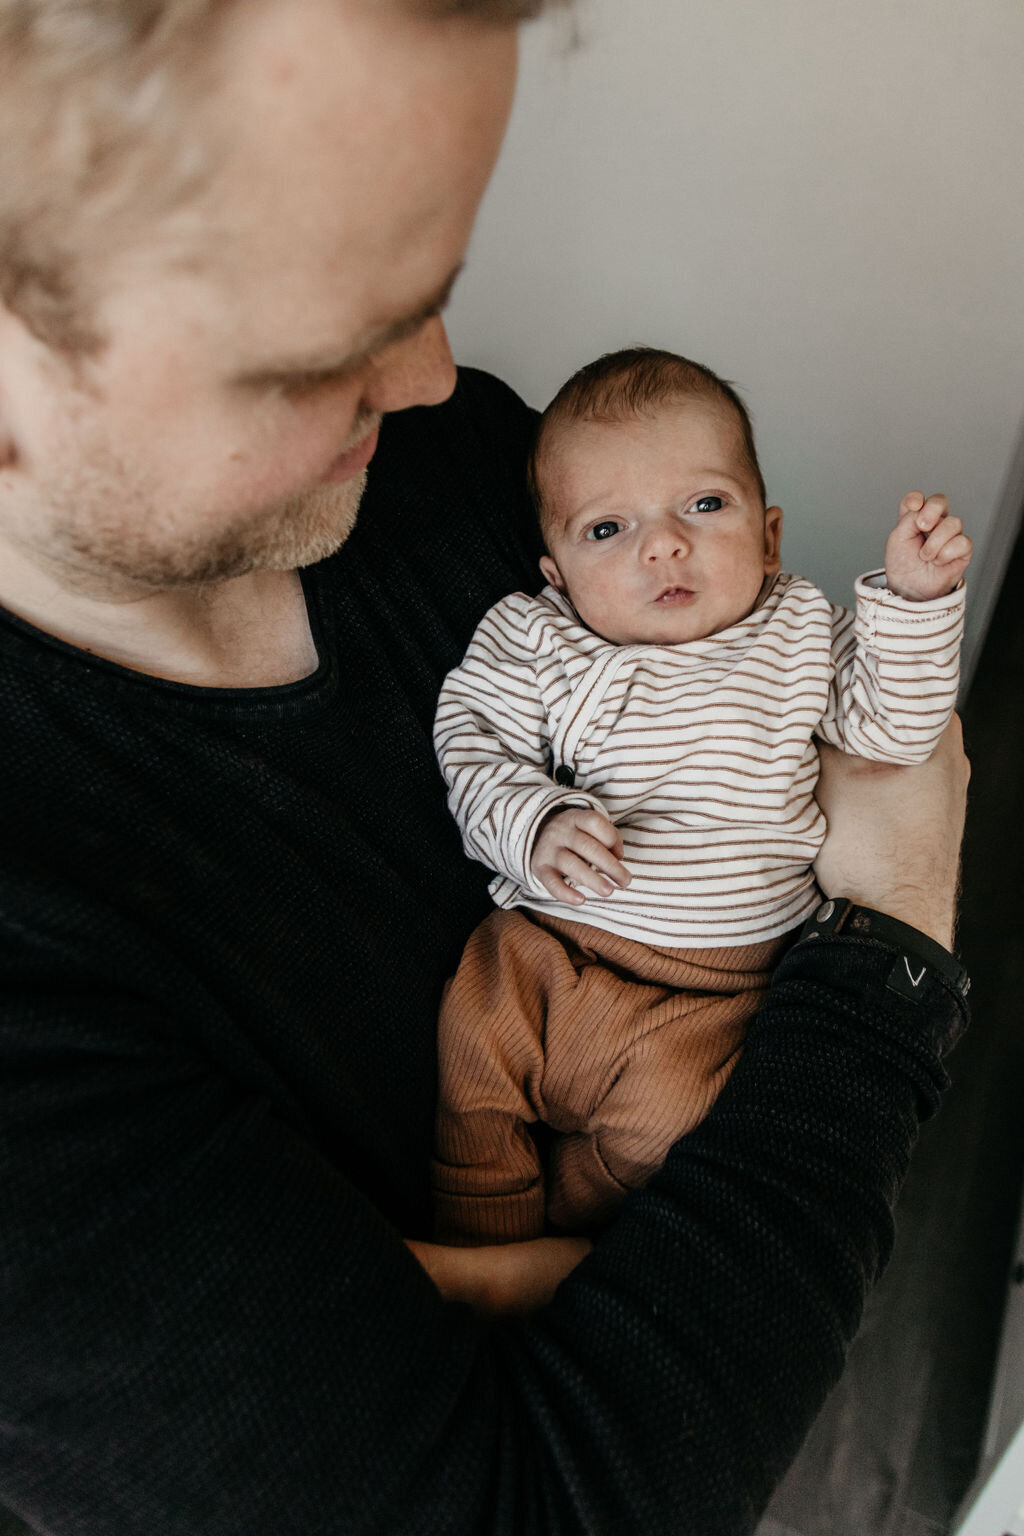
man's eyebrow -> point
(325, 363)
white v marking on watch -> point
(915, 981)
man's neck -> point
(250, 632)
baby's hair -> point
(630, 383)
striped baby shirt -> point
(703, 753)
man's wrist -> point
(842, 916)
(929, 909)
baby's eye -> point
(709, 504)
(606, 530)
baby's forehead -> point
(568, 442)
(566, 435)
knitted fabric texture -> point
(226, 918)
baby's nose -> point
(666, 542)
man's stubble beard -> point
(132, 551)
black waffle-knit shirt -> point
(226, 917)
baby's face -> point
(657, 531)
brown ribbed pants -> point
(619, 1047)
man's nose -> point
(665, 540)
(416, 371)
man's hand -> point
(894, 834)
(927, 552)
(580, 845)
(503, 1279)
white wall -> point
(823, 200)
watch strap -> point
(839, 915)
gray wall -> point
(822, 199)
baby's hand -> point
(580, 845)
(927, 552)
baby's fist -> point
(928, 551)
(578, 847)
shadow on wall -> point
(986, 584)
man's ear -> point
(772, 540)
(549, 570)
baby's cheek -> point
(607, 606)
(741, 563)
(740, 571)
(603, 592)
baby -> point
(633, 752)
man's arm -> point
(210, 1330)
(894, 834)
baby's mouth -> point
(672, 595)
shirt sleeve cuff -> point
(882, 614)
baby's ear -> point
(772, 540)
(549, 570)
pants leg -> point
(620, 1047)
(488, 1181)
(636, 1060)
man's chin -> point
(312, 527)
(294, 534)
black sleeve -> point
(206, 1331)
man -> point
(230, 889)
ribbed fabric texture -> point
(621, 1048)
(225, 924)
(701, 753)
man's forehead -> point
(352, 145)
(344, 181)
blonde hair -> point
(95, 120)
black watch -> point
(918, 951)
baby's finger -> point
(602, 858)
(599, 827)
(912, 503)
(555, 886)
(947, 529)
(934, 511)
(959, 548)
(578, 870)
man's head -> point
(651, 500)
(226, 235)
(100, 130)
